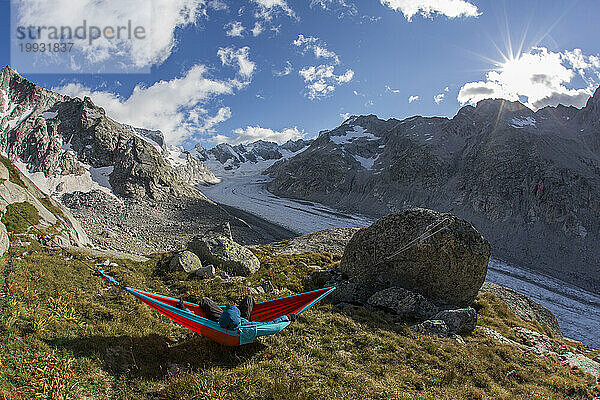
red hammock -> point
(196, 319)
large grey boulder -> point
(326, 241)
(404, 303)
(185, 261)
(523, 306)
(440, 256)
(219, 249)
(462, 321)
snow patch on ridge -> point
(56, 185)
(17, 120)
(520, 123)
(367, 163)
(175, 156)
(49, 114)
(350, 136)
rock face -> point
(186, 261)
(220, 250)
(403, 303)
(523, 306)
(4, 240)
(528, 181)
(439, 256)
(17, 188)
(326, 241)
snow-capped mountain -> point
(226, 159)
(529, 181)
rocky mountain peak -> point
(592, 106)
(61, 137)
(500, 106)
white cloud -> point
(254, 133)
(446, 89)
(176, 107)
(345, 115)
(389, 89)
(342, 7)
(428, 8)
(413, 98)
(438, 98)
(539, 77)
(230, 56)
(321, 80)
(317, 46)
(218, 5)
(268, 8)
(257, 30)
(160, 18)
(235, 29)
(285, 71)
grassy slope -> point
(65, 335)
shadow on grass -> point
(156, 356)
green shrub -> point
(20, 216)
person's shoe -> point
(292, 317)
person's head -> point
(231, 318)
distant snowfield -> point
(577, 310)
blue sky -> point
(313, 62)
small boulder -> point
(440, 256)
(404, 303)
(461, 321)
(431, 327)
(186, 261)
(267, 286)
(219, 250)
(222, 230)
(206, 272)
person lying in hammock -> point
(233, 316)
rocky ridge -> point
(261, 154)
(529, 181)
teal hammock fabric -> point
(195, 319)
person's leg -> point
(246, 306)
(212, 309)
